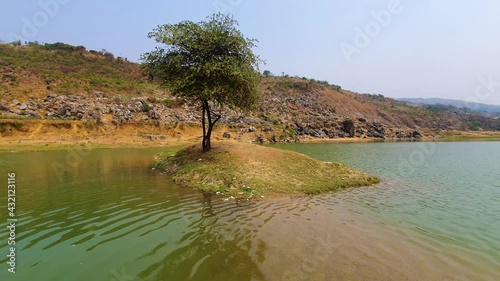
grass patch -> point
(247, 170)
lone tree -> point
(210, 62)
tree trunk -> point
(207, 132)
(203, 124)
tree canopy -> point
(209, 61)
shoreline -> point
(50, 143)
(43, 135)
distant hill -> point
(61, 68)
(477, 107)
(60, 81)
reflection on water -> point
(112, 218)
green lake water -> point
(105, 215)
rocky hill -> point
(59, 81)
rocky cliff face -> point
(292, 113)
(73, 84)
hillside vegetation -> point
(63, 82)
(60, 68)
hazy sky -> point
(398, 48)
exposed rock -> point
(61, 112)
(226, 135)
(360, 131)
(3, 107)
(34, 114)
(260, 139)
(267, 129)
(348, 127)
(416, 135)
(156, 137)
(374, 134)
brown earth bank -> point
(18, 135)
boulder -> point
(226, 135)
(416, 135)
(96, 116)
(348, 128)
(34, 114)
(62, 111)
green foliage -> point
(69, 69)
(145, 107)
(286, 84)
(17, 125)
(124, 99)
(107, 55)
(168, 102)
(210, 60)
(326, 83)
(267, 73)
(474, 125)
(62, 47)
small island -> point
(250, 171)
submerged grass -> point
(247, 170)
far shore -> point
(71, 135)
